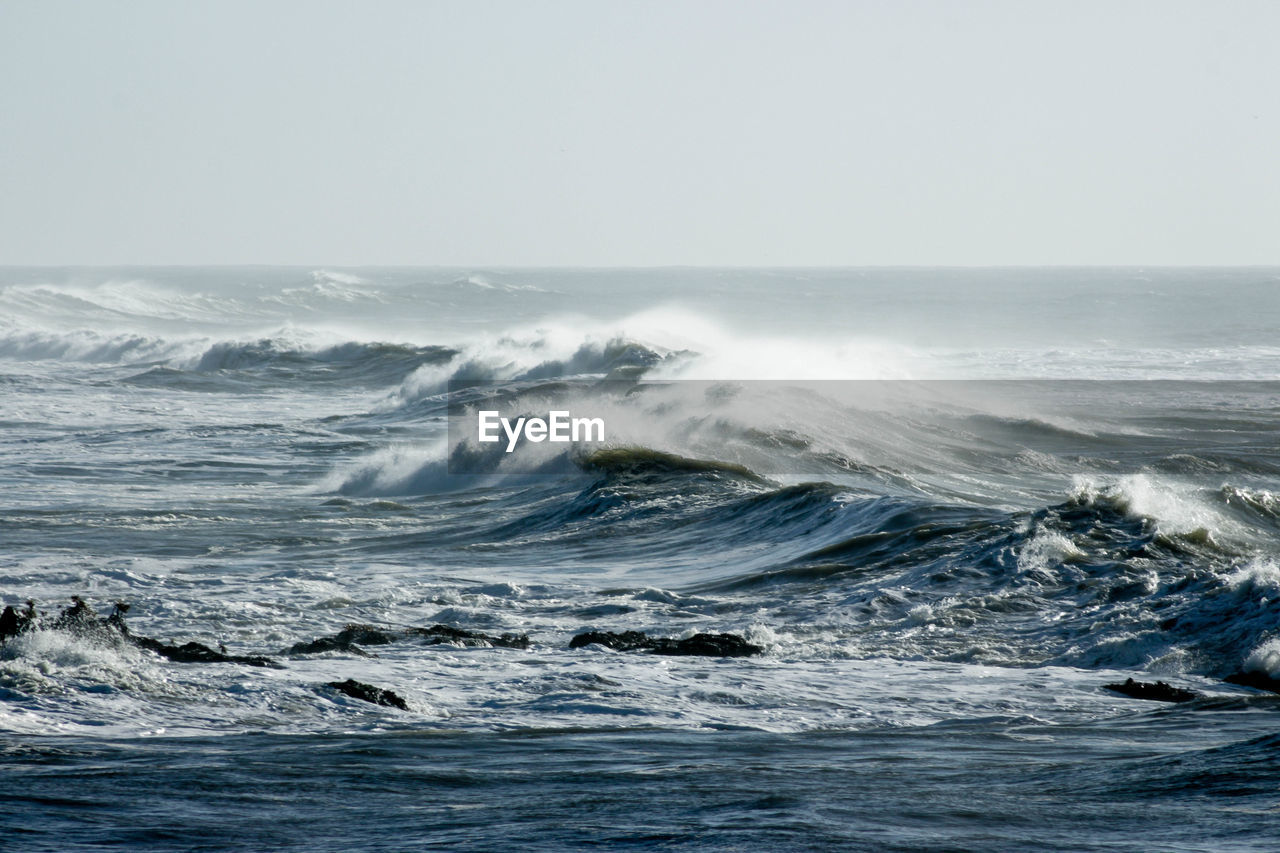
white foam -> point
(89, 346)
(396, 470)
(1045, 552)
(1259, 575)
(1179, 508)
(1265, 659)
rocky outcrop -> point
(81, 620)
(1158, 691)
(1256, 680)
(457, 636)
(193, 652)
(13, 622)
(627, 641)
(369, 693)
(711, 645)
(349, 639)
(353, 636)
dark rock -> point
(1157, 692)
(368, 693)
(350, 638)
(1257, 680)
(197, 653)
(78, 617)
(326, 644)
(116, 620)
(711, 645)
(627, 641)
(446, 634)
(191, 652)
(81, 620)
(8, 623)
(715, 645)
(365, 635)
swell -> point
(185, 360)
(1095, 580)
(508, 365)
(1085, 584)
(353, 362)
(88, 346)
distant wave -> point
(329, 286)
(112, 301)
(378, 363)
(482, 282)
(511, 359)
(375, 364)
(90, 347)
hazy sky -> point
(559, 132)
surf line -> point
(557, 426)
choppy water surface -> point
(941, 574)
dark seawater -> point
(947, 506)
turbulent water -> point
(948, 506)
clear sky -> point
(601, 132)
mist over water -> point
(948, 506)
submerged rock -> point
(711, 645)
(350, 638)
(9, 623)
(193, 652)
(446, 634)
(369, 693)
(1255, 679)
(627, 641)
(78, 617)
(717, 645)
(1157, 692)
(189, 652)
(82, 621)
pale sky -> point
(605, 133)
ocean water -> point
(946, 505)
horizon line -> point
(519, 266)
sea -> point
(939, 510)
